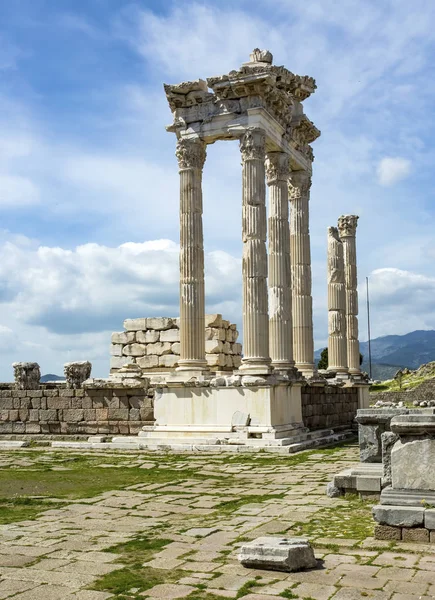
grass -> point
(352, 521)
(23, 509)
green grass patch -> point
(22, 509)
(352, 521)
(140, 547)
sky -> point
(89, 181)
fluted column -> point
(347, 225)
(280, 300)
(256, 357)
(337, 342)
(191, 157)
(300, 256)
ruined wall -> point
(154, 344)
(53, 409)
(329, 406)
(423, 393)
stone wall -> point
(329, 406)
(154, 344)
(54, 409)
(423, 393)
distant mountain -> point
(51, 377)
(393, 351)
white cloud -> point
(391, 170)
(58, 303)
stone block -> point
(73, 415)
(158, 349)
(136, 401)
(90, 414)
(429, 518)
(33, 414)
(135, 427)
(332, 491)
(48, 415)
(147, 414)
(169, 361)
(159, 323)
(215, 334)
(415, 534)
(135, 324)
(432, 537)
(237, 361)
(27, 375)
(13, 415)
(116, 349)
(213, 320)
(34, 393)
(385, 532)
(6, 404)
(59, 403)
(102, 414)
(229, 364)
(33, 428)
(5, 427)
(117, 362)
(148, 362)
(124, 337)
(278, 554)
(118, 414)
(176, 348)
(18, 427)
(368, 483)
(412, 464)
(148, 337)
(66, 393)
(216, 360)
(76, 373)
(398, 516)
(134, 414)
(213, 347)
(134, 350)
(24, 414)
(170, 335)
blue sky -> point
(88, 177)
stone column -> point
(347, 226)
(280, 300)
(337, 342)
(300, 256)
(26, 375)
(256, 358)
(191, 157)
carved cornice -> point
(252, 144)
(299, 184)
(347, 225)
(277, 167)
(190, 153)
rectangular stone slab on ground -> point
(278, 554)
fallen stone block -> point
(278, 554)
(398, 516)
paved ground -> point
(193, 530)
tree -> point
(323, 362)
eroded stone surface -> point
(278, 554)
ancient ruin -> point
(203, 389)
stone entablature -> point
(153, 344)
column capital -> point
(347, 225)
(253, 144)
(277, 167)
(299, 184)
(190, 153)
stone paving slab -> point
(61, 553)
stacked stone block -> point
(153, 343)
(329, 406)
(55, 409)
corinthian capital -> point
(347, 225)
(190, 153)
(299, 184)
(277, 167)
(252, 144)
